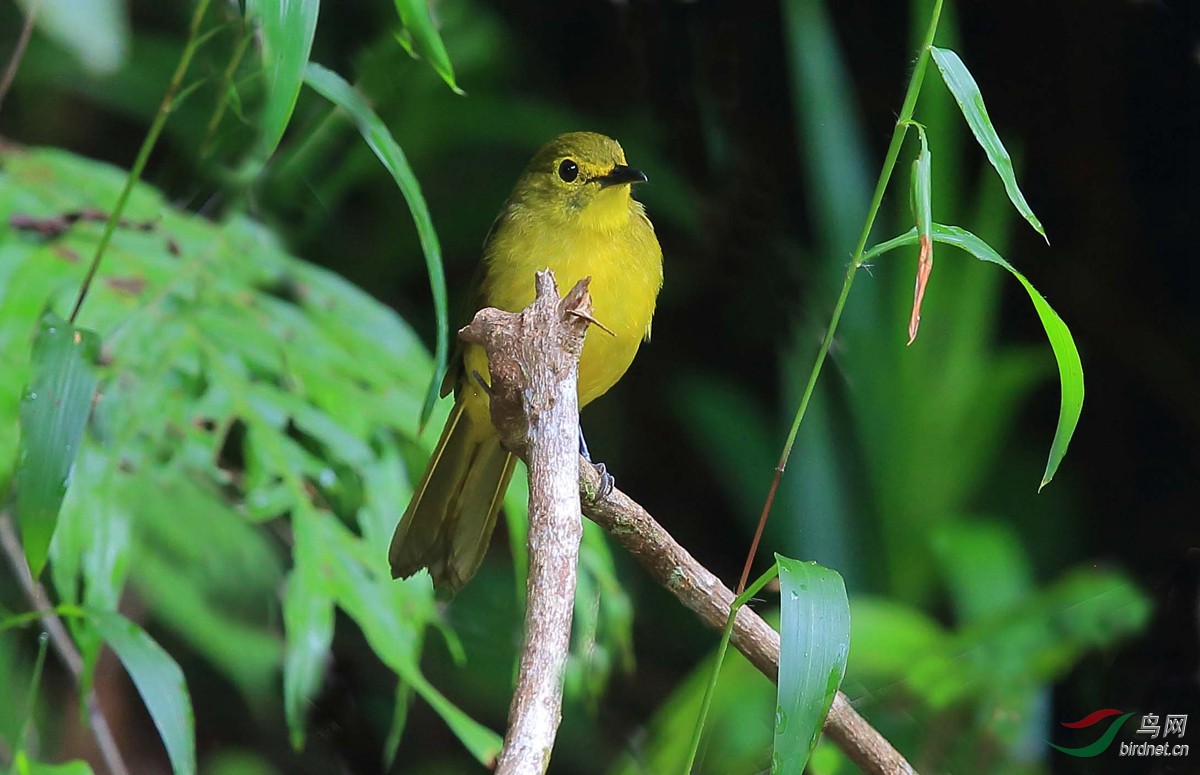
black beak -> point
(621, 174)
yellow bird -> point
(572, 211)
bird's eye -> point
(568, 171)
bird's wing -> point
(474, 298)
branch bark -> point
(533, 360)
(674, 568)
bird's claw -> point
(607, 483)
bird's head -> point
(580, 178)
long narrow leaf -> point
(418, 23)
(386, 613)
(334, 88)
(308, 621)
(922, 206)
(22, 766)
(391, 745)
(1070, 368)
(160, 682)
(814, 642)
(54, 413)
(961, 83)
(308, 625)
(288, 28)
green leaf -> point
(1035, 640)
(737, 738)
(829, 128)
(22, 766)
(96, 32)
(335, 89)
(214, 407)
(160, 682)
(391, 615)
(308, 619)
(308, 622)
(1070, 368)
(922, 204)
(516, 520)
(424, 37)
(92, 543)
(985, 565)
(889, 637)
(961, 83)
(244, 650)
(54, 414)
(814, 642)
(922, 207)
(602, 633)
(227, 760)
(396, 729)
(288, 28)
(31, 697)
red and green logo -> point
(1090, 720)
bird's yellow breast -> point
(614, 244)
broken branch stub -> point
(560, 326)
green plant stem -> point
(31, 700)
(726, 634)
(194, 42)
(856, 261)
(61, 610)
(885, 175)
(63, 644)
(214, 123)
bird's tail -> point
(449, 523)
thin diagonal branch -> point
(697, 588)
(532, 360)
(64, 646)
(14, 62)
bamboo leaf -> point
(308, 622)
(391, 746)
(422, 36)
(391, 618)
(54, 413)
(922, 206)
(288, 28)
(335, 89)
(160, 682)
(961, 83)
(814, 643)
(23, 766)
(1070, 368)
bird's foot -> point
(607, 483)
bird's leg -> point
(606, 479)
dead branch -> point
(674, 568)
(533, 360)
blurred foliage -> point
(256, 427)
